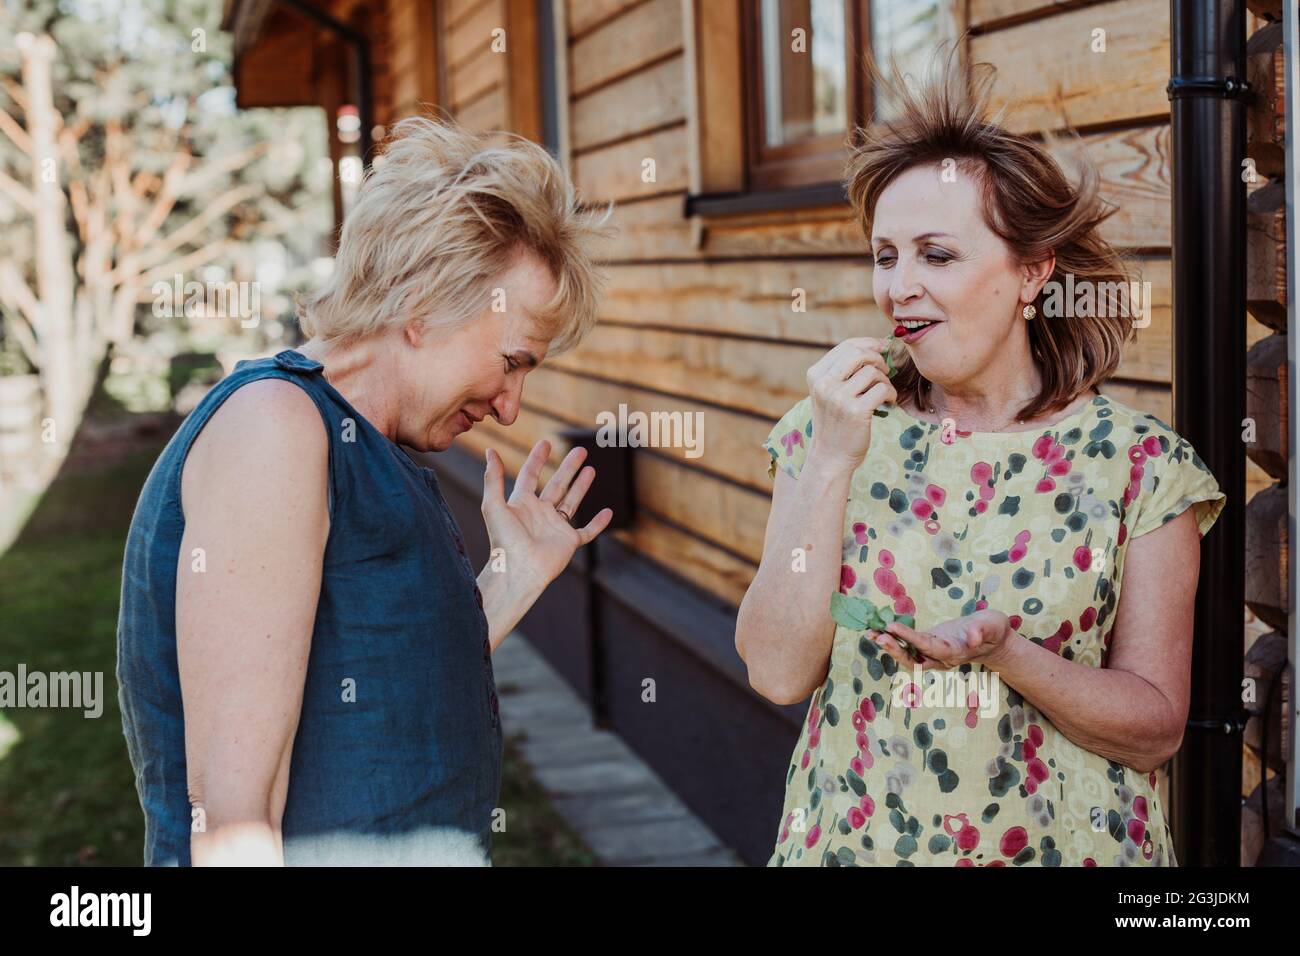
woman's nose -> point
(903, 285)
(506, 405)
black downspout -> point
(361, 64)
(1209, 98)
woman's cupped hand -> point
(979, 638)
(527, 531)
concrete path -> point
(617, 804)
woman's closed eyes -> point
(936, 257)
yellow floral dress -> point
(896, 767)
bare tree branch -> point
(202, 256)
(23, 333)
(186, 233)
(213, 170)
(17, 294)
(16, 92)
(17, 192)
(166, 197)
(69, 137)
(11, 128)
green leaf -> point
(886, 614)
(907, 619)
(850, 612)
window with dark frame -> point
(804, 91)
(806, 88)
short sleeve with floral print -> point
(896, 767)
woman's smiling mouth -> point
(911, 330)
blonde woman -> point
(304, 648)
(1010, 557)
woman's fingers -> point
(881, 638)
(932, 646)
(833, 355)
(595, 526)
(845, 359)
(854, 359)
(558, 486)
(494, 482)
(526, 482)
(577, 491)
(891, 646)
(878, 395)
(863, 379)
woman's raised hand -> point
(979, 638)
(847, 384)
(533, 531)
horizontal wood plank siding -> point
(637, 37)
(1051, 73)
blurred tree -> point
(122, 113)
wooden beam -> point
(1265, 568)
(1266, 404)
(523, 70)
(714, 94)
(278, 69)
(1266, 290)
(1266, 115)
(413, 56)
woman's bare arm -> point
(1134, 710)
(254, 493)
(784, 628)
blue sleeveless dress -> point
(397, 758)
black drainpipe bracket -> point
(1225, 87)
(1229, 723)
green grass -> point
(67, 793)
(535, 834)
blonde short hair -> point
(439, 219)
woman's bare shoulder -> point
(267, 437)
(267, 410)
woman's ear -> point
(413, 332)
(1036, 275)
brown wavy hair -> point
(1027, 201)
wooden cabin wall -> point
(472, 78)
(412, 40)
(698, 316)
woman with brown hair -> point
(952, 528)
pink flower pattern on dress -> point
(1035, 524)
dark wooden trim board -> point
(613, 620)
(772, 200)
